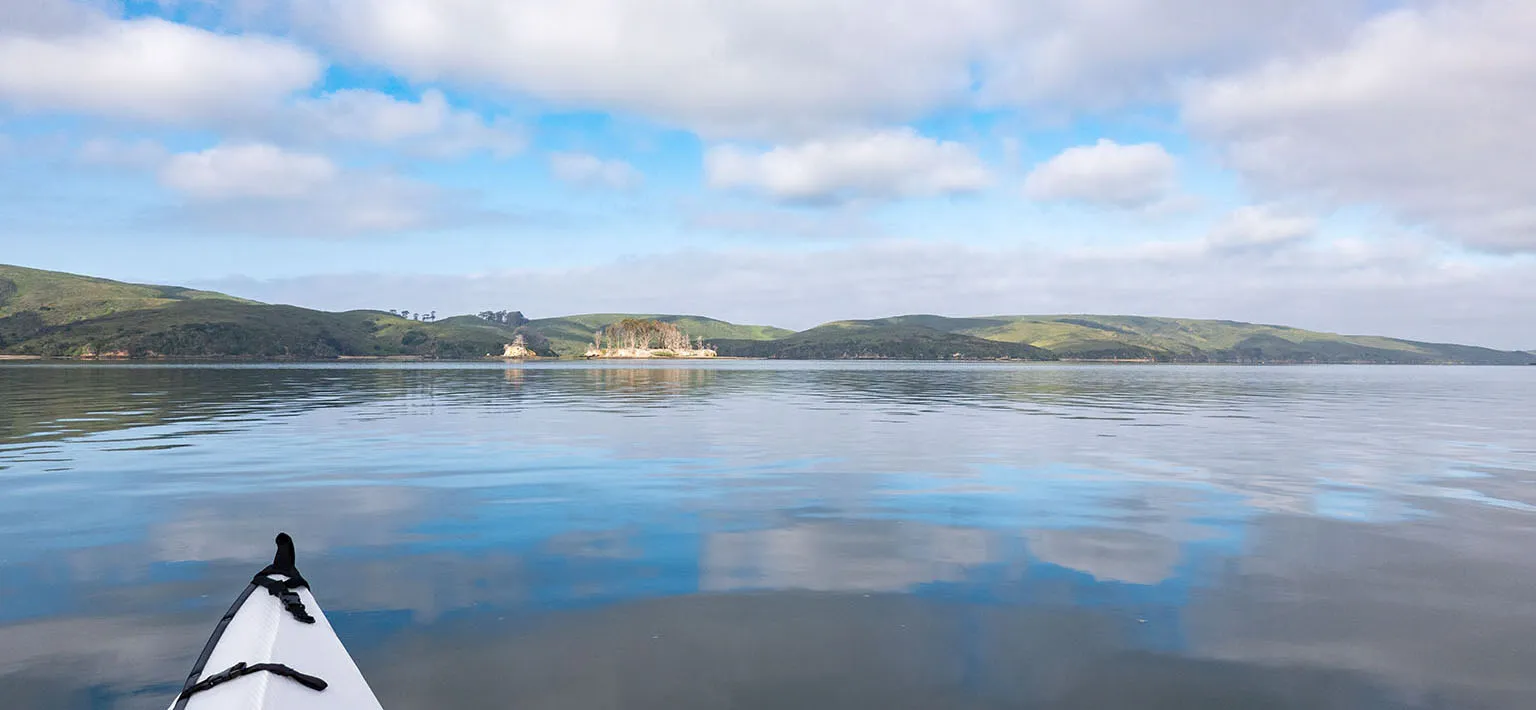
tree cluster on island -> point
(508, 318)
(639, 337)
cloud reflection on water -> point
(747, 534)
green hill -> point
(61, 315)
(220, 328)
(55, 314)
(570, 335)
(879, 339)
(56, 298)
(1192, 340)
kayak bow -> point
(274, 649)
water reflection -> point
(866, 556)
(787, 535)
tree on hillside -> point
(508, 318)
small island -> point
(517, 349)
(642, 338)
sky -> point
(1359, 166)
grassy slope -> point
(1187, 339)
(59, 298)
(52, 313)
(58, 314)
(867, 339)
(213, 327)
(570, 335)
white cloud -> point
(1106, 174)
(44, 16)
(140, 154)
(591, 171)
(791, 69)
(248, 170)
(782, 223)
(357, 204)
(761, 68)
(62, 56)
(429, 126)
(1107, 53)
(875, 165)
(76, 60)
(256, 188)
(1260, 228)
(1427, 112)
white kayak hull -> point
(292, 659)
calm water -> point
(747, 535)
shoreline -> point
(234, 359)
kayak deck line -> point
(240, 669)
(275, 634)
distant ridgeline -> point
(1102, 338)
(51, 314)
(643, 338)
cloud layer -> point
(261, 188)
(1425, 111)
(1106, 174)
(587, 170)
(63, 57)
(787, 70)
(251, 170)
(876, 165)
(429, 126)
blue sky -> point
(1353, 166)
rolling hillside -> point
(61, 315)
(55, 298)
(1094, 337)
(877, 339)
(54, 314)
(216, 328)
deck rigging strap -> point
(241, 669)
(284, 591)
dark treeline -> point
(507, 318)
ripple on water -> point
(708, 534)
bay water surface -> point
(786, 535)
